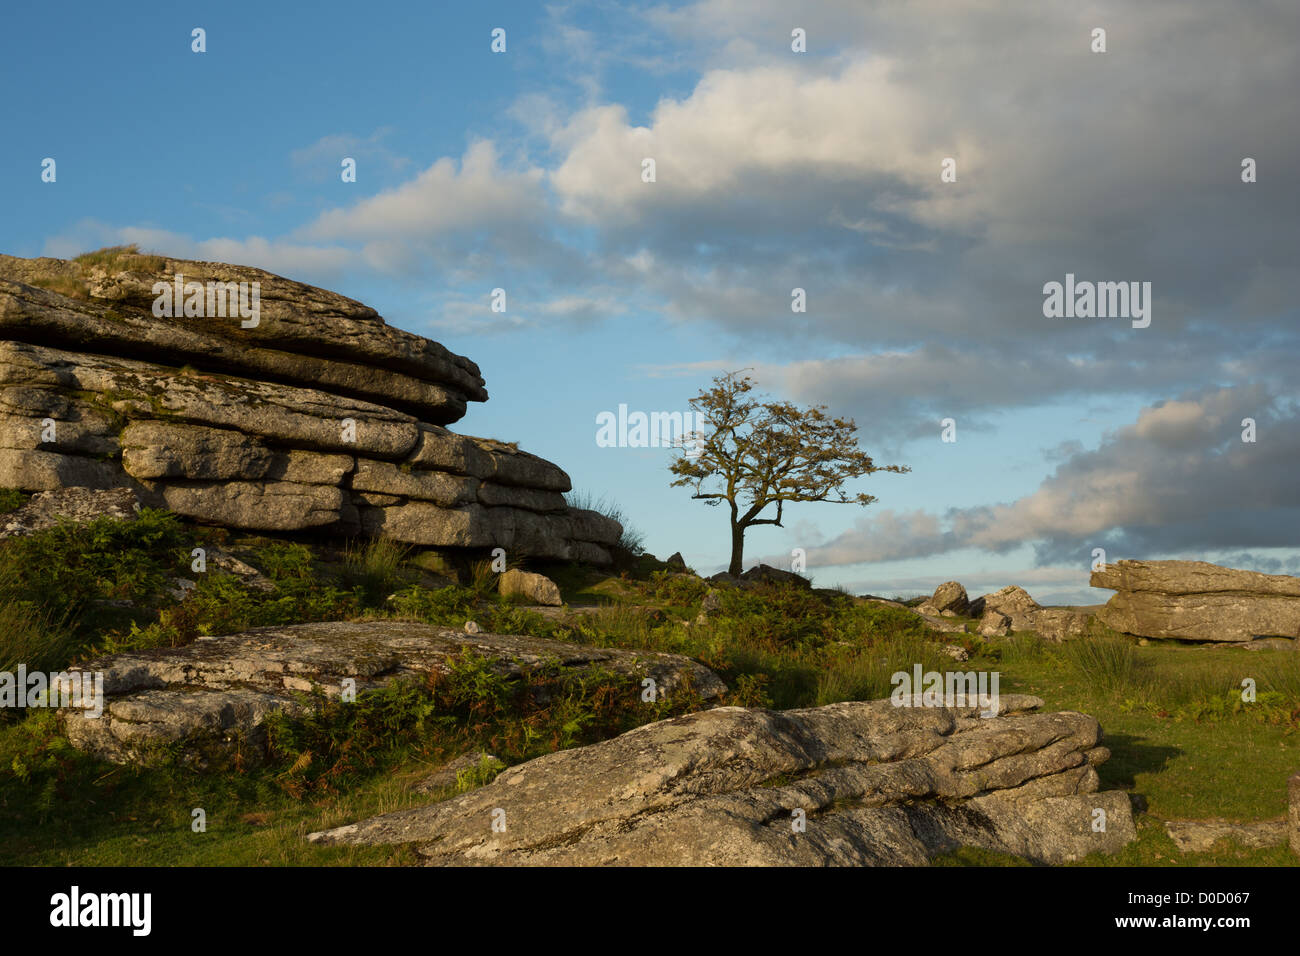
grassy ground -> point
(1184, 743)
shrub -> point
(74, 581)
(677, 588)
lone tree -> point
(764, 453)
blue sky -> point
(775, 170)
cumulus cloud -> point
(444, 198)
(1178, 480)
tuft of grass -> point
(71, 287)
(34, 637)
(121, 258)
(11, 499)
(1108, 664)
(376, 567)
(632, 540)
(481, 578)
(867, 673)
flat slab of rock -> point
(221, 688)
(1293, 813)
(77, 505)
(853, 784)
(1198, 601)
(1199, 836)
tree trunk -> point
(737, 549)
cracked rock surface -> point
(852, 784)
(213, 694)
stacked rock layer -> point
(1198, 601)
(316, 416)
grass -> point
(376, 567)
(70, 286)
(61, 807)
(631, 541)
(118, 258)
(1184, 742)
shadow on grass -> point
(1130, 756)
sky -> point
(775, 170)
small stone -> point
(471, 627)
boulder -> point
(1198, 601)
(1023, 613)
(534, 588)
(209, 699)
(1010, 600)
(766, 574)
(950, 596)
(319, 416)
(851, 784)
(994, 624)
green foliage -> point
(223, 604)
(479, 775)
(285, 561)
(677, 588)
(11, 500)
(473, 706)
(74, 581)
(376, 568)
(858, 674)
(31, 636)
(1108, 664)
(454, 606)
